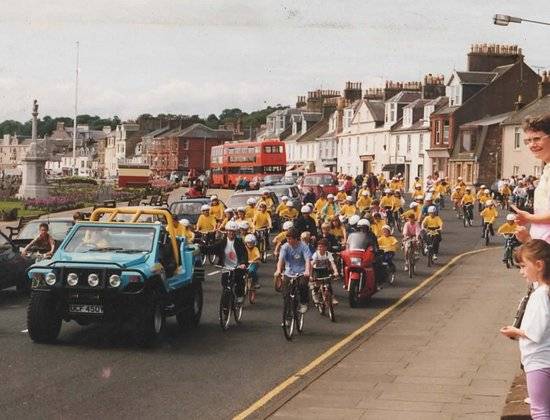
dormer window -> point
(407, 117)
(428, 110)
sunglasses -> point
(528, 141)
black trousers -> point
(238, 274)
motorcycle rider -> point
(305, 223)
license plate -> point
(86, 309)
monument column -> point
(33, 182)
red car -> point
(325, 182)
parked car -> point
(270, 180)
(106, 271)
(58, 229)
(13, 265)
(188, 208)
(291, 191)
(239, 198)
(325, 182)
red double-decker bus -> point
(231, 161)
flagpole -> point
(75, 169)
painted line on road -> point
(346, 340)
(214, 272)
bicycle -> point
(205, 240)
(410, 246)
(397, 220)
(249, 288)
(467, 214)
(458, 211)
(430, 234)
(322, 295)
(487, 232)
(228, 299)
(509, 245)
(262, 237)
(293, 319)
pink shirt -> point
(410, 230)
(542, 205)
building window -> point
(467, 140)
(446, 133)
(458, 170)
(397, 146)
(421, 144)
(357, 146)
(469, 173)
(517, 140)
(515, 170)
(392, 112)
(438, 132)
(185, 144)
(408, 143)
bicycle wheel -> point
(465, 220)
(288, 317)
(226, 302)
(330, 307)
(263, 252)
(430, 256)
(204, 257)
(237, 310)
(299, 317)
(486, 236)
(212, 258)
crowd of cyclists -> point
(309, 235)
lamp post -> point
(505, 20)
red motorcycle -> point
(359, 278)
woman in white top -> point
(534, 332)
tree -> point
(212, 121)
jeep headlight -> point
(50, 279)
(72, 279)
(114, 280)
(93, 280)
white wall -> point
(517, 160)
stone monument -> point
(33, 181)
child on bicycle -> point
(280, 238)
(508, 230)
(534, 331)
(206, 223)
(253, 259)
(467, 202)
(489, 214)
(411, 233)
(388, 243)
(323, 265)
(432, 222)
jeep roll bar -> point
(137, 212)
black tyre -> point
(204, 257)
(226, 302)
(430, 257)
(299, 318)
(152, 321)
(191, 316)
(238, 311)
(465, 220)
(212, 258)
(353, 294)
(486, 237)
(289, 320)
(23, 285)
(410, 264)
(43, 319)
(330, 310)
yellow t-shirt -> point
(206, 223)
(289, 213)
(280, 237)
(376, 228)
(261, 220)
(482, 197)
(249, 213)
(386, 201)
(507, 228)
(319, 204)
(432, 222)
(397, 204)
(217, 211)
(280, 207)
(179, 229)
(253, 254)
(364, 202)
(506, 191)
(348, 210)
(468, 199)
(406, 214)
(457, 196)
(338, 232)
(489, 214)
(268, 202)
(440, 189)
(417, 193)
(341, 196)
(394, 185)
(360, 193)
(388, 243)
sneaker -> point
(435, 257)
(406, 267)
(315, 298)
(335, 301)
(240, 300)
(303, 308)
(257, 286)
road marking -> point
(214, 272)
(25, 331)
(324, 356)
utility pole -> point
(75, 169)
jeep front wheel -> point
(151, 321)
(191, 316)
(43, 320)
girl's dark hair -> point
(534, 250)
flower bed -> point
(52, 203)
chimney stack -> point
(544, 84)
(374, 94)
(393, 88)
(353, 91)
(301, 102)
(60, 126)
(485, 57)
(433, 86)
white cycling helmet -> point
(250, 238)
(340, 188)
(429, 197)
(387, 191)
(489, 203)
(459, 178)
(185, 222)
(510, 216)
(231, 226)
(290, 204)
(353, 220)
(349, 198)
(486, 191)
(244, 225)
(251, 201)
(363, 222)
(431, 209)
(310, 205)
(457, 188)
(330, 197)
(241, 209)
(284, 198)
(387, 228)
(342, 218)
(205, 207)
(287, 225)
(483, 186)
(228, 210)
(305, 209)
(413, 205)
(213, 197)
(365, 193)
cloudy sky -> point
(198, 57)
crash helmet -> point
(231, 226)
(363, 223)
(205, 207)
(213, 197)
(489, 203)
(340, 188)
(244, 225)
(483, 186)
(354, 219)
(305, 209)
(365, 193)
(330, 197)
(241, 209)
(486, 191)
(510, 217)
(228, 210)
(185, 222)
(342, 218)
(429, 197)
(287, 225)
(250, 239)
(387, 191)
(284, 198)
(386, 227)
(349, 198)
(413, 205)
(431, 209)
(251, 201)
(290, 204)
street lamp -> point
(504, 20)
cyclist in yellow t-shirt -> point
(282, 204)
(489, 214)
(216, 208)
(253, 258)
(417, 192)
(467, 202)
(348, 209)
(364, 202)
(229, 214)
(262, 219)
(389, 244)
(289, 212)
(206, 223)
(386, 202)
(432, 222)
(250, 209)
(186, 231)
(341, 195)
(509, 227)
(482, 196)
(280, 238)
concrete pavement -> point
(440, 358)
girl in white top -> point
(534, 332)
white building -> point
(121, 146)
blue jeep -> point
(116, 271)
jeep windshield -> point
(186, 207)
(312, 180)
(121, 239)
(57, 229)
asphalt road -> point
(95, 371)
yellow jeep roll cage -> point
(137, 212)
